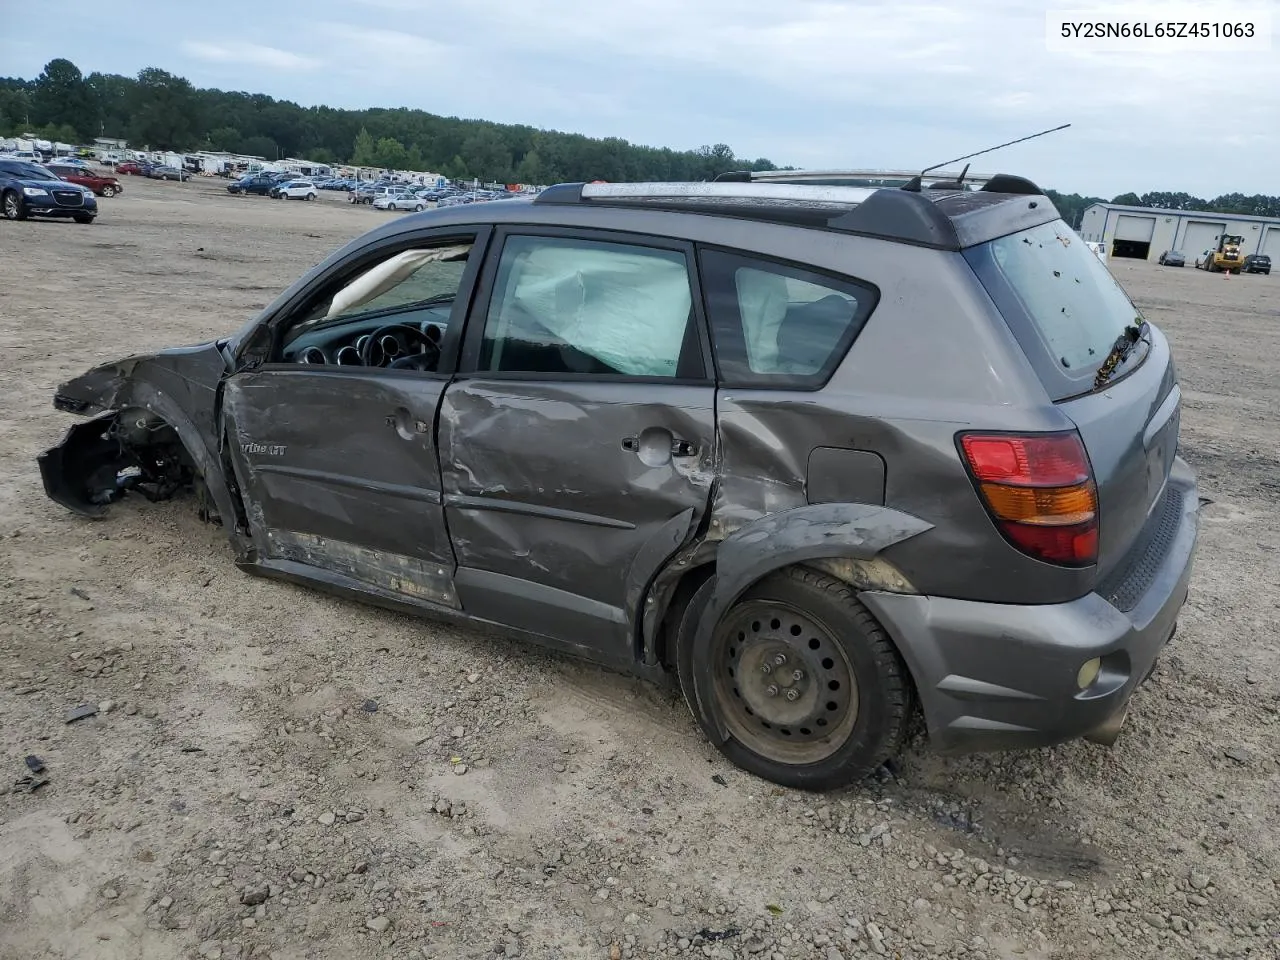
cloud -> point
(249, 54)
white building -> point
(1146, 232)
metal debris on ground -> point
(369, 706)
(80, 712)
(716, 778)
(712, 936)
(34, 780)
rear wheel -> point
(11, 207)
(806, 683)
(418, 209)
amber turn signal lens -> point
(1046, 506)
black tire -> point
(108, 191)
(11, 206)
(853, 676)
(84, 218)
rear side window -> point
(1063, 304)
(779, 325)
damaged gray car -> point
(831, 456)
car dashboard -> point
(342, 344)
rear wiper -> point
(1121, 350)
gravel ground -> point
(275, 773)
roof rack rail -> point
(715, 190)
(883, 177)
(867, 211)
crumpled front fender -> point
(177, 388)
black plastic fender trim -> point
(830, 530)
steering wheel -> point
(427, 357)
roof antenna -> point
(916, 182)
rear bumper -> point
(1003, 676)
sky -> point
(809, 83)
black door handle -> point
(682, 448)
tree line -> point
(159, 110)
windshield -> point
(1058, 298)
(28, 171)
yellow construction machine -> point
(1226, 256)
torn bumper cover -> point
(100, 460)
(89, 469)
(146, 427)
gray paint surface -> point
(557, 510)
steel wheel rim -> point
(797, 710)
(11, 206)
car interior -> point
(392, 315)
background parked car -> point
(29, 190)
(130, 167)
(399, 200)
(1257, 263)
(259, 183)
(294, 190)
(103, 185)
(168, 173)
(1172, 258)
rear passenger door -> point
(578, 441)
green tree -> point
(1167, 200)
(62, 97)
(224, 138)
(159, 109)
(59, 133)
(114, 97)
(164, 110)
(15, 109)
(530, 169)
(486, 155)
(319, 155)
(1071, 206)
(1128, 200)
(456, 169)
(259, 146)
(390, 154)
(362, 151)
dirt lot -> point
(274, 773)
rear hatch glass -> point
(1063, 304)
(1067, 311)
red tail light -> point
(1039, 489)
